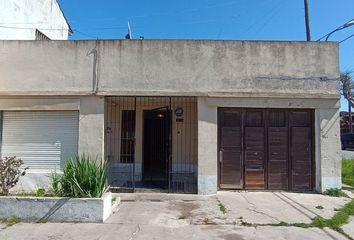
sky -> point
(213, 19)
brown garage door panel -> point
(254, 157)
(278, 158)
(231, 169)
(301, 158)
(231, 158)
(254, 180)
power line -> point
(345, 39)
(60, 29)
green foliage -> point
(335, 192)
(339, 219)
(336, 222)
(348, 172)
(42, 220)
(40, 192)
(10, 173)
(222, 208)
(10, 221)
(82, 177)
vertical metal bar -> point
(114, 135)
(266, 146)
(1, 131)
(134, 112)
(169, 145)
(290, 181)
(243, 114)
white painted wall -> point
(44, 15)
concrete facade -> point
(19, 20)
(78, 74)
(55, 209)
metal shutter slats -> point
(43, 140)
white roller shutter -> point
(42, 139)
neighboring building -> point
(184, 116)
(344, 122)
(33, 20)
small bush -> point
(82, 177)
(10, 173)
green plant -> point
(10, 221)
(40, 192)
(10, 173)
(348, 172)
(42, 220)
(82, 177)
(335, 192)
(222, 208)
(336, 222)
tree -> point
(347, 91)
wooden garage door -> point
(278, 154)
(271, 147)
(254, 149)
(230, 150)
(301, 150)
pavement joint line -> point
(295, 207)
(138, 229)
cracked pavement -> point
(172, 216)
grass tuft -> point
(10, 221)
(335, 192)
(348, 172)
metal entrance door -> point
(156, 147)
(152, 142)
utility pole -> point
(307, 21)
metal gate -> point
(151, 143)
(265, 149)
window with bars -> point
(41, 36)
(127, 147)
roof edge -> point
(67, 22)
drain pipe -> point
(95, 69)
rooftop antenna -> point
(129, 34)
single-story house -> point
(175, 115)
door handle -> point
(220, 156)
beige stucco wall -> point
(91, 126)
(327, 139)
(328, 149)
(207, 147)
(167, 67)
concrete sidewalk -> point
(221, 216)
